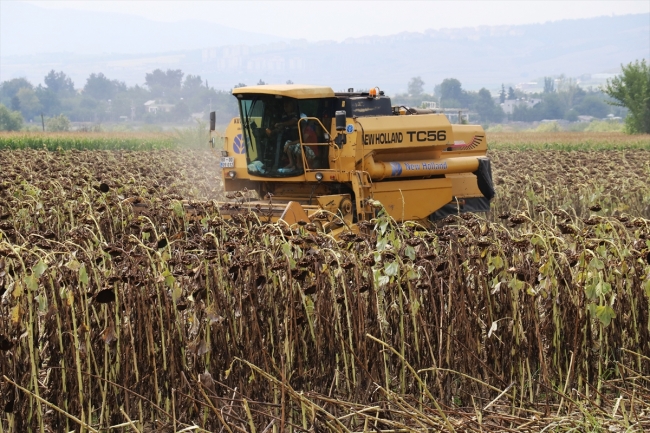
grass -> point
(195, 137)
(567, 141)
(85, 141)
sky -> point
(338, 20)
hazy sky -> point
(337, 20)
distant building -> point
(530, 87)
(154, 106)
(614, 118)
(510, 104)
(585, 119)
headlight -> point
(232, 174)
(319, 176)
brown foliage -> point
(118, 301)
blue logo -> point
(350, 129)
(238, 145)
(396, 168)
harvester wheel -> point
(345, 207)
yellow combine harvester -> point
(317, 156)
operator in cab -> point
(289, 118)
(285, 129)
(292, 147)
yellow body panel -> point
(463, 185)
(232, 143)
(413, 200)
(298, 91)
(399, 132)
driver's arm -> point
(290, 122)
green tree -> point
(502, 94)
(164, 84)
(521, 113)
(10, 120)
(452, 95)
(101, 88)
(486, 108)
(593, 105)
(10, 88)
(571, 115)
(192, 84)
(450, 88)
(180, 112)
(568, 89)
(551, 107)
(511, 94)
(549, 85)
(416, 86)
(15, 103)
(631, 89)
(30, 105)
(49, 100)
(130, 103)
(59, 83)
(89, 109)
(579, 96)
(58, 123)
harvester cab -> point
(316, 156)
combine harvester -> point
(313, 155)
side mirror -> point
(340, 120)
(213, 120)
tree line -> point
(178, 96)
(105, 100)
(567, 102)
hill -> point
(125, 47)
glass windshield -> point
(277, 133)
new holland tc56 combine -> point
(313, 155)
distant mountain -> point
(487, 56)
(26, 29)
(479, 57)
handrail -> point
(329, 143)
